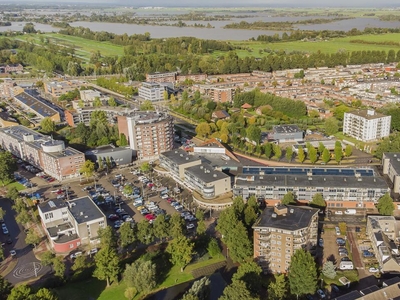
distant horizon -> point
(214, 4)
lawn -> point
(19, 186)
(351, 275)
(95, 289)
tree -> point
(23, 217)
(29, 28)
(141, 274)
(47, 258)
(268, 150)
(79, 263)
(59, 267)
(161, 227)
(128, 189)
(321, 148)
(288, 199)
(130, 293)
(111, 102)
(165, 95)
(107, 237)
(253, 133)
(145, 232)
(329, 270)
(87, 169)
(331, 126)
(277, 289)
(302, 273)
(5, 288)
(127, 234)
(237, 290)
(213, 248)
(201, 227)
(32, 238)
(238, 242)
(44, 294)
(12, 193)
(146, 105)
(199, 290)
(176, 226)
(277, 151)
(348, 151)
(20, 292)
(203, 129)
(326, 156)
(107, 265)
(289, 154)
(123, 140)
(301, 155)
(8, 166)
(2, 213)
(97, 102)
(48, 125)
(313, 155)
(250, 216)
(181, 251)
(385, 205)
(145, 167)
(318, 200)
(250, 274)
(185, 96)
(338, 152)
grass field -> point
(83, 47)
(94, 289)
(329, 46)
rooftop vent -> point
(344, 179)
(274, 215)
(187, 158)
(261, 177)
(324, 179)
(309, 178)
(291, 210)
(81, 213)
(359, 179)
(181, 155)
(201, 167)
(215, 175)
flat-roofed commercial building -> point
(70, 224)
(391, 168)
(366, 125)
(279, 232)
(286, 133)
(42, 151)
(149, 133)
(176, 161)
(341, 191)
(58, 88)
(30, 101)
(117, 155)
(208, 182)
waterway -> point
(216, 33)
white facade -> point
(151, 91)
(366, 125)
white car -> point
(190, 226)
(373, 270)
(13, 253)
(76, 254)
(338, 212)
(92, 251)
(164, 196)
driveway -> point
(26, 260)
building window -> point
(48, 216)
(71, 246)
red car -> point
(169, 200)
(150, 217)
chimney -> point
(280, 210)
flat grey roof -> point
(180, 156)
(350, 296)
(313, 181)
(394, 158)
(84, 210)
(107, 149)
(367, 114)
(206, 173)
(286, 129)
(298, 219)
(51, 205)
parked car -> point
(118, 224)
(190, 226)
(321, 242)
(338, 212)
(150, 217)
(345, 259)
(373, 270)
(76, 254)
(367, 253)
(144, 211)
(335, 288)
(340, 242)
(113, 217)
(13, 253)
(5, 229)
(190, 218)
(92, 251)
(321, 294)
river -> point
(216, 33)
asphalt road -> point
(26, 260)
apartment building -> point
(161, 77)
(58, 88)
(279, 232)
(391, 168)
(6, 88)
(42, 151)
(84, 114)
(340, 188)
(176, 161)
(193, 77)
(154, 91)
(383, 231)
(11, 68)
(366, 125)
(71, 224)
(149, 133)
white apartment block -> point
(366, 125)
(152, 91)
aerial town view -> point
(164, 150)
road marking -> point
(27, 270)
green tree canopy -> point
(277, 289)
(326, 156)
(141, 274)
(237, 290)
(127, 234)
(288, 199)
(8, 166)
(48, 125)
(302, 273)
(107, 265)
(301, 155)
(181, 251)
(111, 101)
(331, 126)
(147, 105)
(318, 200)
(87, 169)
(385, 205)
(203, 129)
(250, 274)
(329, 269)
